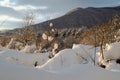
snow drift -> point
(63, 59)
(79, 54)
(28, 59)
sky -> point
(13, 11)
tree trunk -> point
(101, 51)
(95, 56)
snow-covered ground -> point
(68, 64)
(27, 59)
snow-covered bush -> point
(44, 36)
(84, 51)
(29, 48)
(111, 54)
(11, 44)
(50, 38)
(19, 46)
(112, 51)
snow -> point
(56, 46)
(18, 72)
(11, 43)
(28, 59)
(44, 36)
(14, 44)
(50, 38)
(29, 48)
(68, 64)
(85, 51)
(77, 72)
(51, 24)
(112, 51)
(111, 54)
(112, 66)
(63, 59)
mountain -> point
(76, 18)
(79, 17)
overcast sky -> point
(12, 11)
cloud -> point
(67, 3)
(9, 18)
(10, 12)
(63, 6)
(6, 3)
(28, 7)
(51, 4)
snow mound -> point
(17, 57)
(112, 51)
(84, 51)
(29, 48)
(111, 54)
(63, 59)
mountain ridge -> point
(79, 17)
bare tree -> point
(28, 20)
(101, 35)
(95, 43)
(106, 32)
(27, 35)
